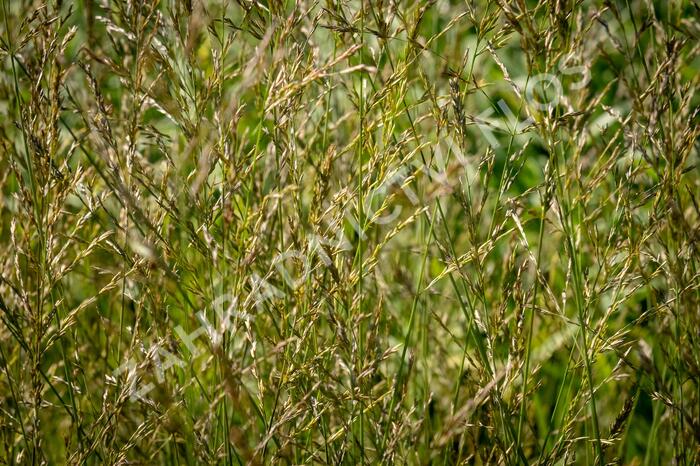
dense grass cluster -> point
(342, 232)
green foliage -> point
(418, 232)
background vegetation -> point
(431, 259)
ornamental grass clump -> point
(344, 232)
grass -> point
(240, 232)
